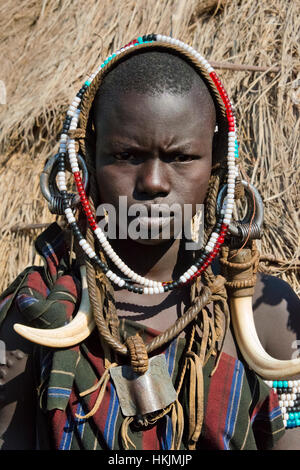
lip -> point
(152, 223)
(158, 210)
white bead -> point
(89, 251)
(283, 409)
(146, 290)
(113, 277)
(156, 290)
(280, 402)
(161, 289)
(98, 232)
(183, 278)
(150, 283)
(286, 416)
(71, 219)
(151, 290)
(119, 263)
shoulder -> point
(276, 310)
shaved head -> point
(154, 73)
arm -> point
(277, 318)
(17, 390)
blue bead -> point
(275, 383)
(296, 415)
(87, 83)
(140, 40)
(279, 383)
(291, 416)
(285, 383)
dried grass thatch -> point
(48, 45)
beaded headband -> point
(68, 149)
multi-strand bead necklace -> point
(131, 280)
(288, 392)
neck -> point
(164, 261)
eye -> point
(124, 156)
(182, 158)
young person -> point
(148, 359)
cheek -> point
(112, 183)
(194, 183)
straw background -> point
(48, 46)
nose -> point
(153, 179)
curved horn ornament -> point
(68, 335)
(257, 358)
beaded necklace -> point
(131, 280)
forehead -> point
(160, 116)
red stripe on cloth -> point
(94, 354)
(264, 409)
(58, 419)
(36, 282)
(217, 402)
(150, 439)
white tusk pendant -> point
(68, 335)
(257, 358)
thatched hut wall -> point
(48, 46)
